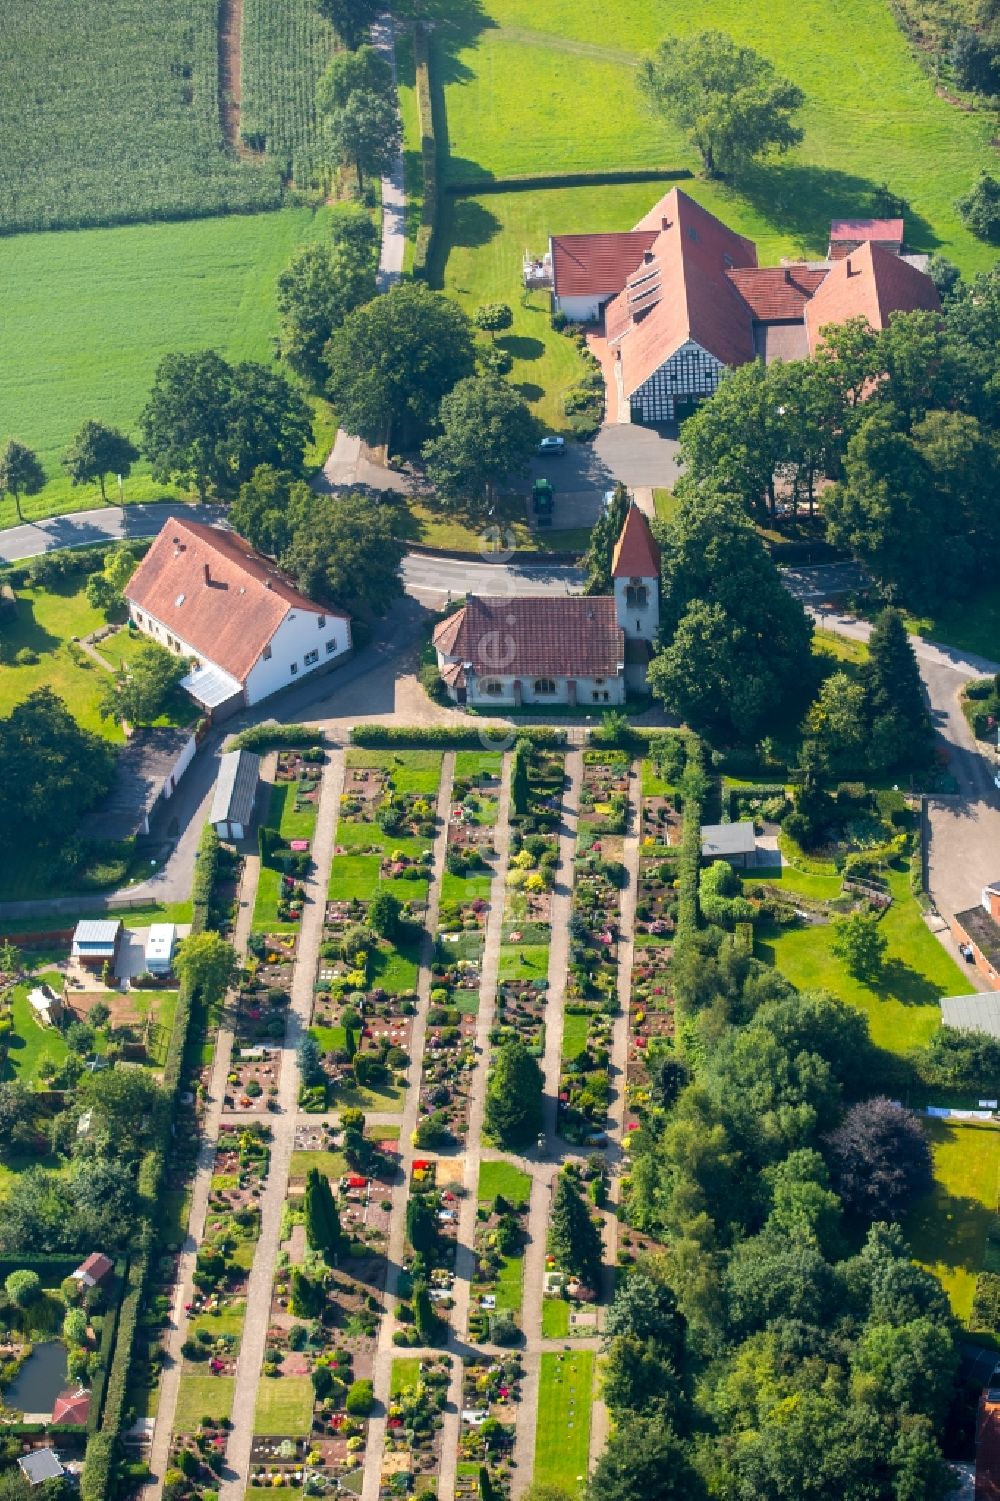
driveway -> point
(963, 849)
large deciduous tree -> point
(859, 940)
(51, 771)
(350, 19)
(348, 556)
(320, 286)
(487, 433)
(365, 133)
(138, 691)
(97, 451)
(393, 360)
(207, 963)
(879, 1159)
(738, 656)
(347, 72)
(644, 1460)
(211, 424)
(728, 99)
(20, 472)
(513, 1114)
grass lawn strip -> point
(405, 1374)
(284, 1405)
(562, 1439)
(202, 1396)
(503, 1178)
(948, 1229)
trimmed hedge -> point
(274, 736)
(206, 873)
(453, 737)
(689, 865)
(95, 1484)
(424, 244)
(472, 187)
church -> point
(503, 650)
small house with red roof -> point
(680, 298)
(581, 650)
(206, 594)
(93, 1271)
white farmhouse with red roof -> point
(580, 649)
(681, 297)
(207, 594)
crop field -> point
(87, 317)
(109, 113)
(531, 90)
(285, 48)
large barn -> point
(680, 298)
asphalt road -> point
(964, 842)
(106, 524)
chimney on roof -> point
(267, 583)
(208, 576)
(847, 265)
(664, 222)
(647, 257)
(788, 275)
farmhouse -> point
(977, 932)
(206, 594)
(680, 298)
(498, 650)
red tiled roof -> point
(596, 265)
(867, 229)
(544, 636)
(96, 1265)
(636, 554)
(700, 303)
(870, 283)
(71, 1407)
(216, 593)
(776, 294)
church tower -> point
(635, 572)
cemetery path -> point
(382, 1372)
(258, 1310)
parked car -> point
(552, 446)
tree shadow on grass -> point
(529, 390)
(466, 223)
(521, 346)
(900, 982)
(800, 199)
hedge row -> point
(472, 187)
(424, 244)
(99, 1467)
(274, 736)
(689, 866)
(453, 737)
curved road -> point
(964, 845)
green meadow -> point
(89, 314)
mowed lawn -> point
(532, 90)
(284, 1405)
(902, 1007)
(89, 314)
(562, 1438)
(505, 1179)
(948, 1230)
(202, 1396)
(46, 622)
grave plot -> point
(651, 1005)
(252, 1081)
(411, 1459)
(604, 791)
(501, 1223)
(572, 1270)
(591, 988)
(394, 791)
(491, 1389)
(217, 1309)
(427, 1279)
(449, 1058)
(285, 838)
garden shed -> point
(235, 794)
(972, 1013)
(40, 1465)
(96, 942)
(159, 951)
(735, 842)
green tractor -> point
(542, 501)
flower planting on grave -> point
(501, 1224)
(604, 791)
(412, 1456)
(490, 1391)
(427, 1279)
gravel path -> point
(258, 1312)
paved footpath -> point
(465, 1258)
(542, 1174)
(258, 1311)
(200, 1191)
(385, 1350)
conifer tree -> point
(574, 1239)
(899, 724)
(323, 1228)
(514, 1096)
